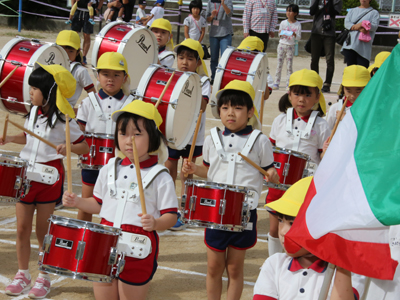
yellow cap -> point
(309, 78)
(355, 75)
(196, 46)
(289, 204)
(165, 25)
(379, 60)
(114, 61)
(252, 43)
(69, 38)
(66, 85)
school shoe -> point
(179, 224)
(119, 19)
(84, 61)
(275, 86)
(326, 89)
(68, 22)
(19, 285)
(40, 289)
(108, 21)
(91, 21)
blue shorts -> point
(219, 240)
(174, 154)
(89, 177)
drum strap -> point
(299, 134)
(163, 55)
(74, 65)
(203, 80)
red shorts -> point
(40, 193)
(139, 271)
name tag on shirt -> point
(264, 10)
(216, 22)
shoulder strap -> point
(250, 142)
(215, 136)
(99, 112)
(74, 65)
(163, 55)
(204, 79)
(128, 100)
(364, 15)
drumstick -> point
(5, 128)
(164, 90)
(33, 134)
(262, 108)
(262, 171)
(139, 176)
(327, 282)
(68, 146)
(8, 76)
(196, 131)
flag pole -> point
(330, 270)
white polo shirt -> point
(331, 116)
(157, 12)
(83, 81)
(312, 146)
(282, 277)
(160, 194)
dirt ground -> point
(182, 259)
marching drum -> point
(242, 65)
(22, 52)
(136, 43)
(215, 205)
(81, 250)
(101, 149)
(180, 105)
(14, 184)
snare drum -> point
(242, 65)
(215, 205)
(81, 250)
(24, 53)
(14, 184)
(101, 149)
(136, 43)
(180, 105)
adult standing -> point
(221, 29)
(259, 19)
(358, 50)
(323, 35)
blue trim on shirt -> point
(118, 95)
(244, 131)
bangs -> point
(182, 50)
(302, 90)
(235, 98)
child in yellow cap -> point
(162, 29)
(94, 112)
(301, 128)
(225, 249)
(140, 120)
(49, 87)
(85, 4)
(379, 60)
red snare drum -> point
(101, 149)
(24, 53)
(180, 105)
(14, 184)
(242, 65)
(136, 43)
(215, 205)
(81, 250)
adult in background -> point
(219, 14)
(259, 19)
(358, 50)
(323, 35)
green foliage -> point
(351, 4)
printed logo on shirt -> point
(48, 170)
(133, 186)
(141, 43)
(187, 90)
(50, 60)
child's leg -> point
(126, 291)
(24, 213)
(289, 62)
(110, 15)
(280, 58)
(234, 268)
(42, 215)
(106, 291)
(121, 12)
(215, 269)
(87, 191)
(172, 166)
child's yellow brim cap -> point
(252, 43)
(140, 108)
(379, 60)
(357, 76)
(69, 38)
(112, 61)
(162, 24)
(196, 46)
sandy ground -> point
(182, 259)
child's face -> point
(291, 15)
(284, 227)
(111, 81)
(36, 96)
(187, 62)
(303, 103)
(162, 36)
(195, 11)
(72, 53)
(235, 118)
(352, 93)
(141, 140)
(142, 6)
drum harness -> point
(133, 245)
(163, 55)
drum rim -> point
(8, 200)
(75, 275)
(218, 186)
(94, 227)
(18, 161)
(212, 225)
(103, 136)
(283, 150)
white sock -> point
(45, 276)
(274, 245)
(26, 273)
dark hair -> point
(78, 57)
(284, 102)
(373, 71)
(44, 81)
(235, 98)
(293, 8)
(286, 217)
(195, 4)
(155, 135)
(183, 49)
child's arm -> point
(187, 32)
(164, 222)
(272, 175)
(192, 168)
(203, 32)
(80, 148)
(88, 205)
(342, 286)
(17, 139)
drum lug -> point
(92, 151)
(192, 203)
(18, 183)
(112, 260)
(16, 63)
(286, 169)
(83, 158)
(80, 250)
(120, 264)
(222, 207)
(183, 201)
(236, 72)
(246, 214)
(27, 187)
(48, 238)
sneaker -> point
(91, 21)
(68, 22)
(108, 21)
(84, 61)
(119, 19)
(326, 89)
(179, 224)
(275, 86)
(40, 289)
(19, 285)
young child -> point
(115, 7)
(142, 121)
(226, 250)
(355, 78)
(49, 87)
(299, 275)
(141, 17)
(301, 128)
(157, 12)
(94, 113)
(162, 29)
(69, 40)
(379, 60)
(189, 59)
(289, 32)
(195, 24)
(82, 4)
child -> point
(69, 40)
(142, 121)
(195, 24)
(115, 7)
(141, 17)
(300, 275)
(189, 55)
(379, 60)
(301, 128)
(50, 85)
(289, 32)
(82, 4)
(226, 250)
(157, 12)
(355, 78)
(94, 113)
(162, 29)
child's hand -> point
(148, 222)
(326, 145)
(4, 141)
(273, 176)
(214, 13)
(337, 115)
(70, 199)
(62, 149)
(188, 167)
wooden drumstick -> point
(262, 171)
(68, 147)
(5, 128)
(262, 108)
(330, 270)
(196, 131)
(165, 89)
(139, 176)
(8, 77)
(33, 134)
